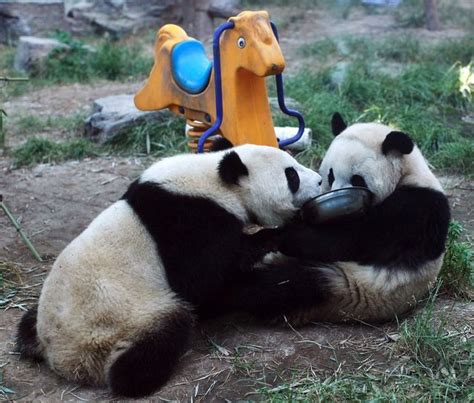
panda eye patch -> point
(358, 180)
(293, 179)
(331, 177)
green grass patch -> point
(422, 99)
(32, 124)
(38, 150)
(154, 139)
(457, 273)
(431, 361)
(110, 60)
(157, 139)
(322, 49)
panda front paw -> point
(299, 240)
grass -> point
(157, 139)
(32, 124)
(457, 273)
(37, 150)
(81, 63)
(422, 98)
(430, 361)
(154, 139)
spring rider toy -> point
(227, 97)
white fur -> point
(358, 151)
(264, 191)
(109, 286)
(365, 292)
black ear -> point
(337, 124)
(220, 143)
(397, 141)
(231, 168)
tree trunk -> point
(431, 13)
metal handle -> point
(217, 83)
(284, 109)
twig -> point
(20, 231)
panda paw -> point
(299, 240)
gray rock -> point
(32, 50)
(12, 27)
(30, 17)
(289, 102)
(114, 114)
(224, 8)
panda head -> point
(370, 155)
(270, 184)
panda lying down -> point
(370, 267)
(119, 303)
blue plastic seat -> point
(190, 66)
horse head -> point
(256, 47)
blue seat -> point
(190, 66)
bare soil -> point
(230, 358)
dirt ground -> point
(230, 358)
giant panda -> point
(370, 267)
(120, 301)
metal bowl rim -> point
(319, 199)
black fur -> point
(220, 143)
(149, 362)
(274, 290)
(406, 230)
(337, 124)
(397, 141)
(201, 244)
(331, 177)
(231, 168)
(293, 179)
(27, 343)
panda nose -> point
(320, 182)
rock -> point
(114, 114)
(121, 17)
(31, 51)
(289, 102)
(12, 27)
(30, 17)
(224, 8)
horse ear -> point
(397, 141)
(337, 124)
(231, 168)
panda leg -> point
(149, 362)
(275, 290)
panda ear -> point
(337, 124)
(397, 141)
(220, 144)
(231, 168)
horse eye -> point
(241, 42)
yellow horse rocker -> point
(228, 98)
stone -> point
(32, 50)
(12, 27)
(119, 18)
(224, 8)
(30, 17)
(114, 114)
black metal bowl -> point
(336, 204)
